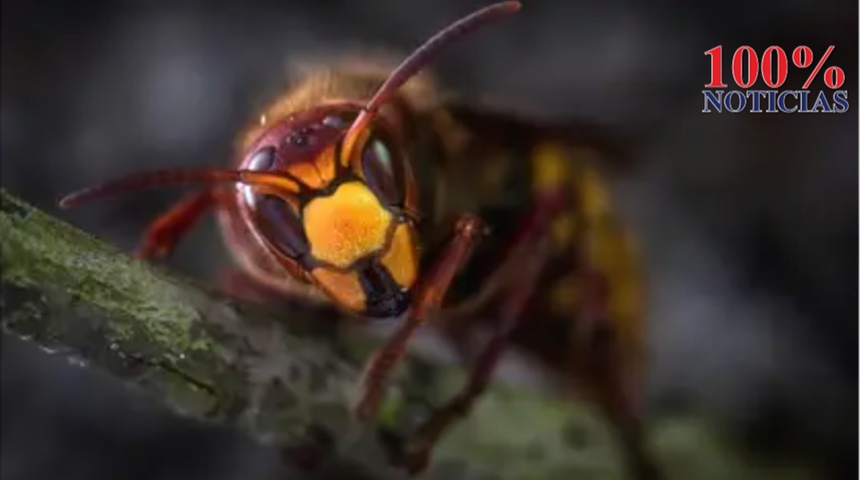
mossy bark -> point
(287, 379)
(278, 379)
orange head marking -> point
(346, 225)
(330, 191)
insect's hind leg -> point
(164, 233)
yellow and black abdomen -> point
(501, 184)
(591, 243)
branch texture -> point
(278, 379)
(287, 378)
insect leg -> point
(608, 367)
(614, 389)
(532, 246)
(418, 447)
(426, 303)
(165, 231)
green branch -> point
(210, 357)
(276, 378)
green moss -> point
(128, 306)
(210, 359)
(36, 250)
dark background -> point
(748, 221)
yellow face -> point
(346, 226)
(369, 256)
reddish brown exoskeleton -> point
(362, 190)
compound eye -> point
(282, 226)
(262, 161)
(382, 172)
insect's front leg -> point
(163, 234)
(427, 302)
(532, 251)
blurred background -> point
(748, 222)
